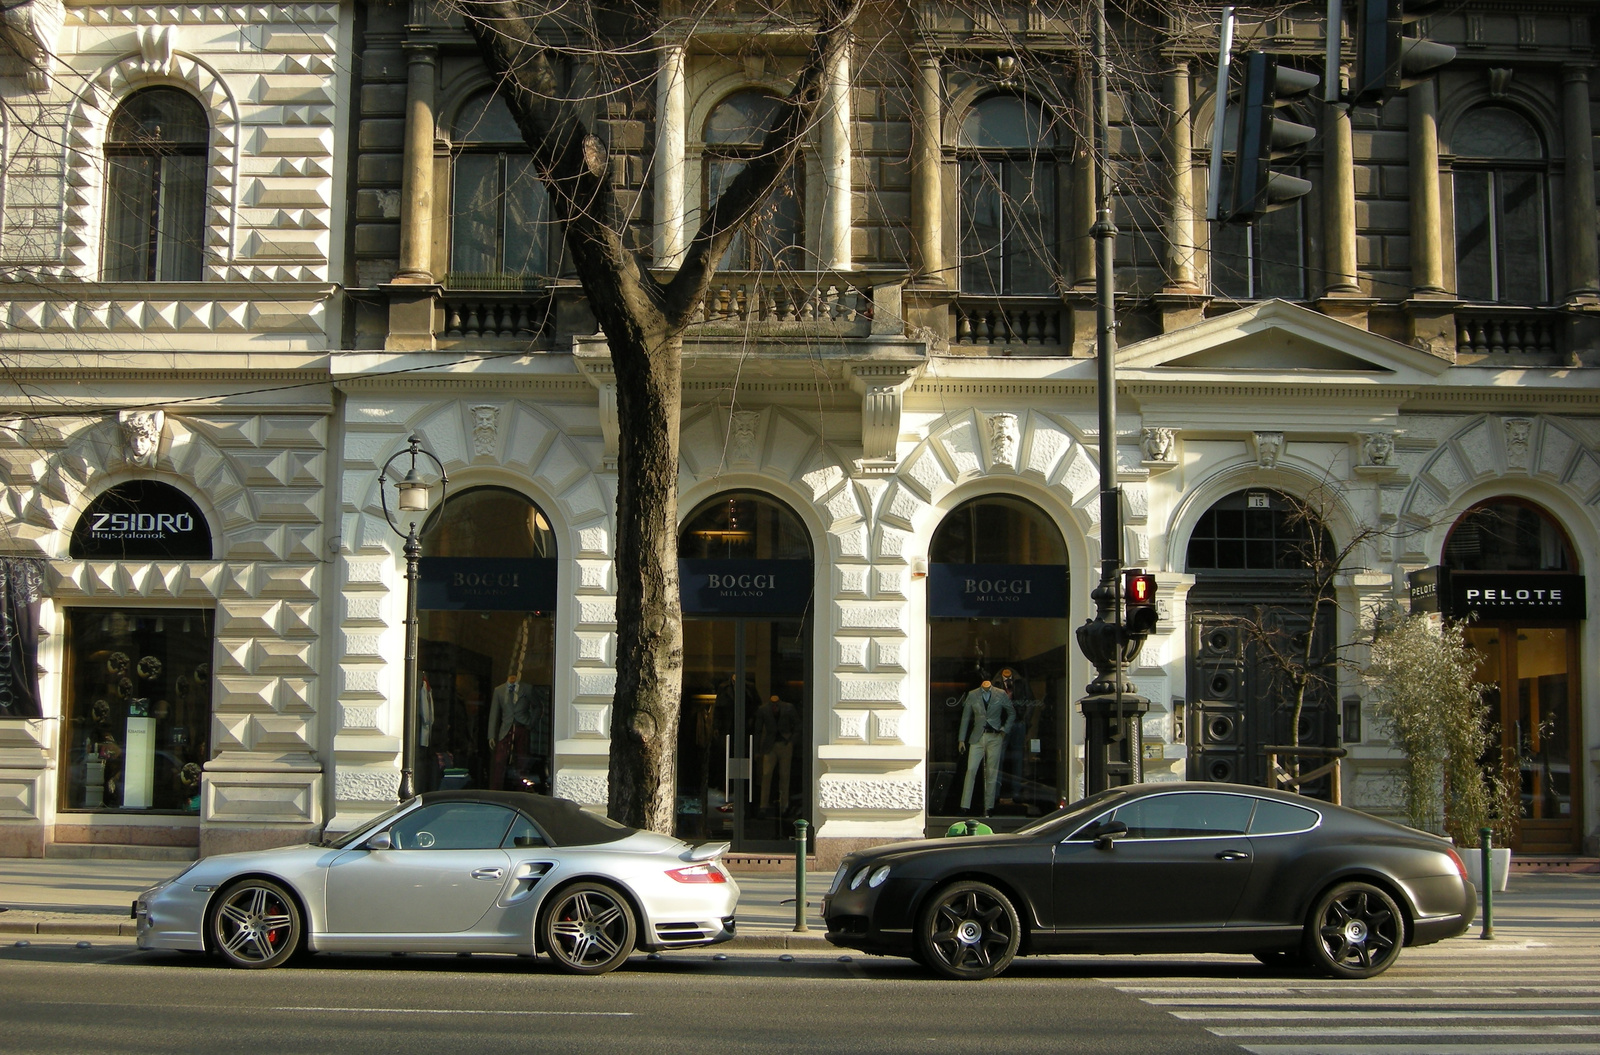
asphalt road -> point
(111, 998)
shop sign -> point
(141, 520)
(1024, 591)
(1493, 596)
(744, 587)
(486, 584)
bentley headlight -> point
(859, 878)
(879, 877)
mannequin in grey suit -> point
(986, 718)
(510, 713)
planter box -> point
(1499, 865)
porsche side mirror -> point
(1108, 833)
(381, 841)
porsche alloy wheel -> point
(588, 929)
(1355, 931)
(969, 930)
(254, 923)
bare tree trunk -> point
(644, 717)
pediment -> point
(1276, 339)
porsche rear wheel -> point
(967, 931)
(1355, 931)
(588, 928)
(254, 923)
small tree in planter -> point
(1423, 679)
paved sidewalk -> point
(89, 898)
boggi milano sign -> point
(744, 587)
(1493, 596)
(1037, 591)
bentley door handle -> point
(1233, 855)
(488, 873)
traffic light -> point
(1266, 135)
(1139, 603)
(1387, 60)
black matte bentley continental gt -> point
(1160, 868)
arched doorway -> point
(1511, 571)
(486, 614)
(997, 664)
(744, 732)
(1261, 618)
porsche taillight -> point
(706, 873)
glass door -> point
(744, 750)
(1531, 672)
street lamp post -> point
(1112, 711)
(412, 499)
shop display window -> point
(138, 708)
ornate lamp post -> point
(413, 500)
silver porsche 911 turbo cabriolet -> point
(453, 871)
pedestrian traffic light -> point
(1267, 135)
(1139, 603)
(1387, 61)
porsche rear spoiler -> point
(705, 852)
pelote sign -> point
(1498, 595)
(142, 519)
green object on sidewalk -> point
(968, 828)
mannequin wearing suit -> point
(777, 722)
(510, 713)
(986, 717)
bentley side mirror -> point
(1108, 833)
(381, 841)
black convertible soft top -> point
(564, 822)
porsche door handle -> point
(488, 873)
(1233, 855)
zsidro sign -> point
(141, 519)
(486, 584)
(1498, 595)
(1030, 591)
(745, 587)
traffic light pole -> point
(1112, 712)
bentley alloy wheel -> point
(968, 930)
(1355, 931)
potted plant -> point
(1423, 679)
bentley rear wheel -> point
(968, 930)
(1355, 931)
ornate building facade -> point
(889, 480)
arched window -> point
(1501, 216)
(1258, 531)
(156, 188)
(501, 232)
(1008, 198)
(1505, 534)
(734, 134)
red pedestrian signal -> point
(1139, 602)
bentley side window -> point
(1185, 816)
(1282, 818)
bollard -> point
(1485, 844)
(800, 827)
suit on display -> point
(986, 717)
(510, 713)
(777, 722)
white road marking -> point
(454, 1011)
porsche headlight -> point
(859, 878)
(879, 877)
